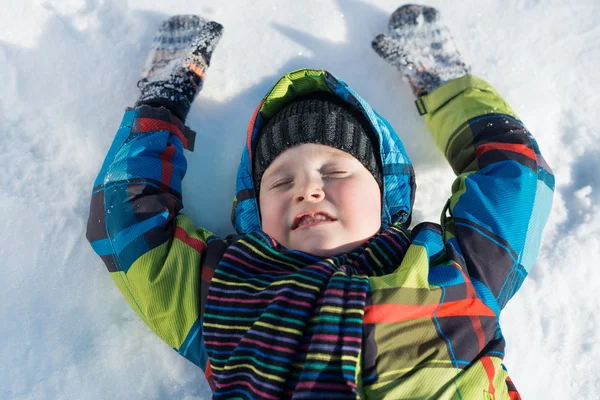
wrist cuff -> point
(177, 99)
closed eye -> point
(335, 174)
(280, 183)
(287, 181)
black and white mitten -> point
(420, 46)
(180, 55)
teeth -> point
(308, 219)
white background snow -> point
(69, 68)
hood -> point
(398, 174)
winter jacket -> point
(412, 313)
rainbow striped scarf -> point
(285, 324)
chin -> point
(325, 253)
(332, 251)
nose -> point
(310, 191)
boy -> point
(324, 291)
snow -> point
(68, 70)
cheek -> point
(272, 215)
(363, 202)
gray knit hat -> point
(317, 119)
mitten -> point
(420, 46)
(180, 55)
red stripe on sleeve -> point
(488, 365)
(389, 313)
(515, 148)
(150, 124)
(478, 331)
(167, 166)
(196, 244)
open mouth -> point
(310, 219)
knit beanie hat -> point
(320, 119)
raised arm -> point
(502, 197)
(154, 254)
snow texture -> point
(69, 69)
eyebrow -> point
(271, 173)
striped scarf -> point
(285, 324)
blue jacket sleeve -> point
(502, 196)
(155, 255)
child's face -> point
(313, 178)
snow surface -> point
(69, 68)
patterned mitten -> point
(420, 46)
(175, 67)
